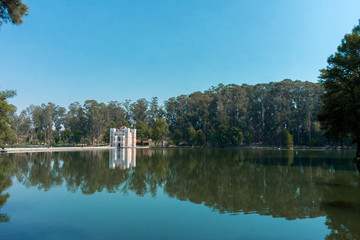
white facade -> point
(122, 158)
(123, 137)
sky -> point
(67, 51)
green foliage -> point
(44, 119)
(200, 138)
(211, 137)
(41, 136)
(7, 134)
(262, 111)
(12, 11)
(235, 136)
(125, 123)
(97, 119)
(340, 113)
(177, 136)
(56, 139)
(106, 137)
(78, 136)
(112, 124)
(160, 131)
(139, 110)
(222, 135)
(154, 111)
(223, 113)
(248, 138)
(287, 139)
(66, 135)
(190, 135)
(142, 130)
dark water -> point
(180, 194)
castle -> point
(123, 137)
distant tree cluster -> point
(247, 114)
(277, 114)
(88, 123)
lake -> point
(180, 194)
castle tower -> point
(123, 137)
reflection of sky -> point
(165, 196)
(98, 216)
(122, 158)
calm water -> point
(180, 194)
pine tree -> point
(340, 113)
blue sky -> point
(67, 51)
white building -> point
(123, 137)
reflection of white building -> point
(122, 158)
(123, 137)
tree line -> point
(275, 114)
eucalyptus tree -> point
(66, 135)
(48, 112)
(218, 106)
(139, 110)
(190, 135)
(97, 118)
(142, 130)
(58, 118)
(171, 113)
(306, 103)
(176, 111)
(127, 106)
(116, 112)
(198, 110)
(160, 131)
(22, 124)
(259, 100)
(75, 120)
(45, 118)
(200, 138)
(154, 111)
(236, 104)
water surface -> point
(181, 193)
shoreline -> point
(55, 149)
(87, 148)
(60, 149)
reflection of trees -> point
(6, 168)
(87, 171)
(229, 182)
(342, 206)
(40, 170)
(289, 184)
